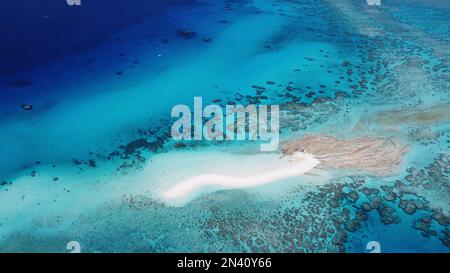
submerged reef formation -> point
(364, 91)
(327, 218)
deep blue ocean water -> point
(102, 77)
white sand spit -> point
(295, 165)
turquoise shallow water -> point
(77, 167)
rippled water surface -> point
(86, 94)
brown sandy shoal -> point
(377, 156)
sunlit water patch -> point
(362, 90)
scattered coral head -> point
(436, 114)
